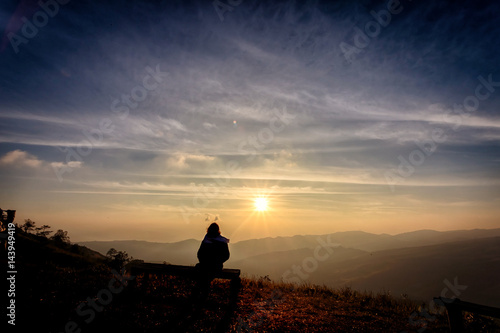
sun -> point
(260, 204)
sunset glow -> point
(261, 204)
(149, 120)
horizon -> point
(152, 120)
(279, 236)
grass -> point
(282, 307)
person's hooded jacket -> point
(213, 252)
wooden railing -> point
(455, 307)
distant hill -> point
(429, 237)
(274, 264)
(184, 252)
(420, 272)
(356, 240)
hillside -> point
(42, 251)
(66, 291)
(52, 278)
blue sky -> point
(144, 120)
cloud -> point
(184, 161)
(23, 163)
(209, 126)
(70, 164)
(281, 160)
(19, 158)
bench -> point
(455, 307)
(136, 269)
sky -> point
(150, 119)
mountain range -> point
(419, 265)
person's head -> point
(213, 230)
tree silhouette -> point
(42, 231)
(28, 225)
(60, 236)
(116, 258)
(111, 253)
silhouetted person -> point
(212, 254)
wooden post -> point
(4, 225)
(11, 214)
(235, 289)
(455, 318)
